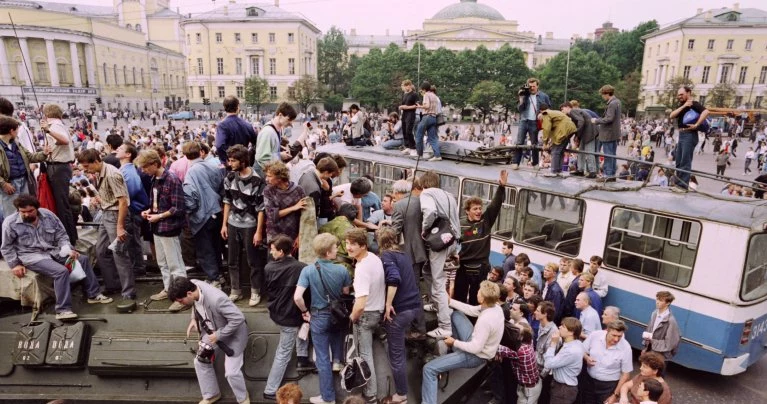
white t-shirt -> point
(369, 281)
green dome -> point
(466, 9)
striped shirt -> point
(111, 186)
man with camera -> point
(530, 99)
(221, 325)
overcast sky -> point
(563, 17)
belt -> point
(529, 386)
(315, 310)
(59, 162)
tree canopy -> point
(305, 91)
(257, 92)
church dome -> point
(468, 9)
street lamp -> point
(567, 68)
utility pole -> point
(567, 68)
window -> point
(220, 65)
(199, 66)
(291, 93)
(114, 70)
(238, 66)
(725, 74)
(255, 68)
(138, 27)
(219, 37)
(742, 75)
(198, 37)
(129, 26)
(385, 176)
(730, 43)
(239, 92)
(273, 92)
(710, 44)
(134, 76)
(106, 78)
(676, 46)
(449, 183)
(42, 71)
(237, 38)
(252, 12)
(202, 91)
(666, 48)
(143, 84)
(291, 37)
(504, 225)
(552, 222)
(291, 66)
(125, 76)
(188, 39)
(749, 43)
(253, 37)
(763, 75)
(706, 71)
(758, 101)
(755, 271)
(654, 246)
(61, 68)
(272, 37)
(738, 101)
(272, 66)
(691, 44)
(686, 72)
(702, 100)
(221, 92)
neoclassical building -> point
(233, 42)
(727, 45)
(128, 55)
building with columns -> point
(130, 54)
(727, 45)
(233, 42)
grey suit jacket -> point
(610, 124)
(406, 220)
(227, 319)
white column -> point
(261, 71)
(718, 74)
(52, 65)
(90, 65)
(30, 78)
(5, 71)
(75, 64)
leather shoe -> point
(271, 397)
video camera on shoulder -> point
(524, 91)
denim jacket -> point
(25, 244)
(203, 185)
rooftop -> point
(250, 12)
(468, 9)
(724, 17)
(76, 9)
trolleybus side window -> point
(385, 176)
(356, 168)
(449, 183)
(553, 222)
(504, 225)
(654, 246)
(755, 274)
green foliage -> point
(668, 98)
(334, 102)
(588, 72)
(256, 92)
(627, 90)
(720, 95)
(486, 95)
(333, 61)
(305, 91)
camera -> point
(205, 352)
(524, 90)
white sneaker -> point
(255, 299)
(406, 150)
(413, 153)
(66, 315)
(439, 333)
(176, 307)
(319, 400)
(552, 175)
(215, 284)
(435, 159)
(100, 298)
(430, 307)
(162, 295)
(515, 166)
(337, 367)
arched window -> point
(134, 76)
(142, 78)
(106, 78)
(129, 26)
(117, 82)
(125, 75)
(138, 27)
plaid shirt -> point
(168, 196)
(524, 363)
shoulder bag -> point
(340, 306)
(440, 236)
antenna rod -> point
(24, 60)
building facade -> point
(129, 55)
(234, 42)
(727, 45)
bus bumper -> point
(734, 366)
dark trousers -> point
(207, 243)
(396, 330)
(503, 381)
(562, 393)
(408, 125)
(596, 391)
(59, 175)
(467, 282)
(241, 238)
(545, 396)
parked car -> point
(182, 115)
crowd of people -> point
(235, 186)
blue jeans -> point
(588, 162)
(609, 149)
(395, 331)
(527, 127)
(428, 124)
(288, 338)
(208, 246)
(60, 275)
(685, 149)
(7, 200)
(392, 144)
(462, 330)
(363, 331)
(325, 337)
(557, 156)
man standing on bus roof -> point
(609, 131)
(688, 134)
(530, 100)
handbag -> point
(340, 306)
(440, 236)
(441, 119)
(76, 271)
(356, 373)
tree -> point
(305, 91)
(670, 90)
(721, 94)
(333, 61)
(627, 90)
(486, 95)
(334, 102)
(588, 72)
(257, 92)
